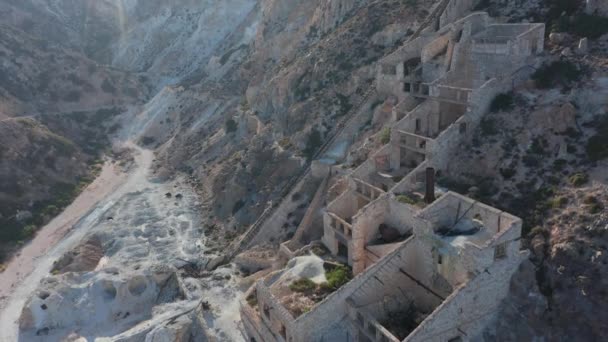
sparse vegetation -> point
(238, 206)
(488, 126)
(558, 73)
(559, 202)
(252, 300)
(303, 285)
(578, 179)
(597, 145)
(337, 276)
(502, 102)
(385, 135)
(313, 143)
(231, 125)
(508, 173)
(582, 25)
(148, 140)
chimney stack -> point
(429, 197)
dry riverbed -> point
(113, 266)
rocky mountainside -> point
(244, 92)
(56, 108)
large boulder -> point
(558, 118)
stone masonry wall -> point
(479, 299)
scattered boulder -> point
(556, 118)
(558, 37)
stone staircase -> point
(243, 242)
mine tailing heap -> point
(428, 264)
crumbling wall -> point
(470, 308)
(272, 313)
(365, 228)
(312, 325)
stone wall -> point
(466, 310)
(314, 324)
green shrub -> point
(558, 202)
(237, 206)
(488, 127)
(252, 300)
(336, 277)
(590, 200)
(508, 173)
(538, 230)
(385, 135)
(597, 145)
(502, 102)
(555, 74)
(405, 199)
(578, 179)
(148, 140)
(231, 126)
(590, 26)
(303, 285)
(29, 231)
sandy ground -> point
(24, 262)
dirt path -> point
(33, 263)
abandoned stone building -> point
(428, 264)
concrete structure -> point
(429, 264)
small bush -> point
(595, 208)
(488, 127)
(148, 140)
(313, 143)
(559, 73)
(252, 300)
(597, 145)
(336, 277)
(405, 199)
(559, 164)
(29, 231)
(237, 206)
(508, 173)
(502, 102)
(385, 136)
(538, 230)
(231, 126)
(590, 200)
(590, 26)
(578, 179)
(302, 285)
(558, 202)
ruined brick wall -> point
(469, 307)
(365, 228)
(313, 325)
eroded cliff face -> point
(308, 65)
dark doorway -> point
(342, 250)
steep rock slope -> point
(56, 107)
(168, 39)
